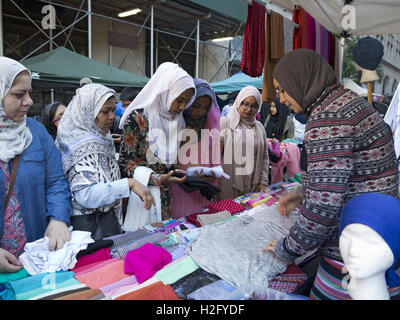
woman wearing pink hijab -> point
(202, 114)
(244, 147)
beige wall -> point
(122, 58)
(210, 60)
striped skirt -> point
(331, 282)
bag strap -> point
(13, 175)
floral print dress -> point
(134, 147)
(13, 239)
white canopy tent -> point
(357, 17)
(346, 17)
(353, 17)
(392, 118)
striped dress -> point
(350, 151)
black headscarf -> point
(304, 75)
(276, 123)
(47, 118)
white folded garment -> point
(218, 171)
(37, 258)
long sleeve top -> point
(40, 185)
(102, 194)
(350, 151)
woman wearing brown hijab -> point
(350, 151)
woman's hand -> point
(143, 192)
(211, 178)
(58, 234)
(289, 202)
(8, 262)
(270, 246)
(263, 188)
(168, 178)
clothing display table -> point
(216, 257)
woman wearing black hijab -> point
(279, 124)
(51, 116)
(350, 151)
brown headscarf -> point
(304, 75)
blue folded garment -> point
(38, 284)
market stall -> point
(166, 260)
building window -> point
(394, 86)
(384, 84)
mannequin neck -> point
(371, 288)
(369, 76)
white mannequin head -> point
(366, 256)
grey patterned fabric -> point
(232, 250)
(120, 250)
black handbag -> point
(100, 224)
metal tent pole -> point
(1, 29)
(110, 48)
(152, 41)
(197, 47)
(341, 57)
(90, 28)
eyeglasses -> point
(246, 105)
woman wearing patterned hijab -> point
(39, 202)
(349, 150)
(88, 159)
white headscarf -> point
(233, 116)
(77, 134)
(167, 83)
(15, 137)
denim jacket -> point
(41, 187)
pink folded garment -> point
(92, 266)
(109, 288)
(99, 255)
(145, 261)
(106, 274)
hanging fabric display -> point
(254, 41)
(274, 50)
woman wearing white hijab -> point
(38, 203)
(152, 139)
(88, 159)
(244, 147)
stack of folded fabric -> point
(145, 261)
(43, 286)
(225, 206)
(99, 274)
(288, 281)
(217, 290)
(133, 240)
(155, 291)
(99, 255)
(205, 219)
